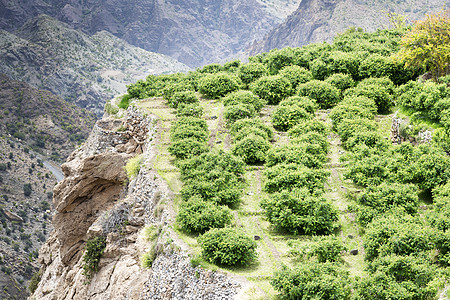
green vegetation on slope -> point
(285, 188)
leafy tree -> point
(296, 75)
(227, 246)
(308, 104)
(189, 110)
(185, 97)
(324, 93)
(285, 117)
(251, 72)
(244, 97)
(307, 126)
(252, 149)
(273, 89)
(217, 85)
(255, 123)
(310, 281)
(198, 216)
(237, 112)
(341, 81)
(427, 45)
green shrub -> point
(310, 105)
(185, 97)
(187, 148)
(278, 59)
(296, 75)
(170, 89)
(189, 110)
(148, 258)
(34, 281)
(397, 234)
(273, 89)
(251, 72)
(306, 126)
(343, 62)
(319, 69)
(342, 112)
(290, 176)
(361, 102)
(190, 121)
(314, 138)
(341, 81)
(255, 123)
(286, 117)
(376, 92)
(295, 153)
(133, 165)
(93, 252)
(310, 281)
(349, 127)
(299, 212)
(151, 232)
(232, 66)
(198, 216)
(244, 97)
(180, 133)
(324, 93)
(252, 149)
(236, 112)
(247, 131)
(214, 86)
(124, 101)
(398, 277)
(227, 246)
(327, 249)
(211, 68)
(376, 66)
(27, 189)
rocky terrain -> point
(35, 126)
(320, 20)
(82, 69)
(96, 199)
(194, 33)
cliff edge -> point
(97, 199)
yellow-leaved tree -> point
(427, 45)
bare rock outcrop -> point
(97, 199)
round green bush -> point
(296, 75)
(185, 97)
(319, 69)
(227, 246)
(286, 117)
(308, 104)
(298, 153)
(252, 149)
(376, 92)
(376, 66)
(244, 97)
(255, 123)
(289, 176)
(362, 102)
(298, 212)
(348, 127)
(236, 112)
(314, 138)
(324, 93)
(306, 126)
(273, 89)
(251, 72)
(190, 121)
(341, 112)
(189, 110)
(312, 281)
(198, 216)
(187, 132)
(341, 81)
(343, 62)
(172, 87)
(217, 85)
(277, 59)
(187, 148)
(246, 131)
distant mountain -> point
(320, 20)
(86, 70)
(35, 126)
(193, 32)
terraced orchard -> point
(288, 172)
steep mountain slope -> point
(194, 32)
(321, 20)
(86, 70)
(34, 124)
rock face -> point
(320, 20)
(96, 199)
(82, 69)
(193, 32)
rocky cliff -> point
(320, 20)
(193, 32)
(96, 199)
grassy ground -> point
(273, 249)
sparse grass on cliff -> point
(133, 166)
